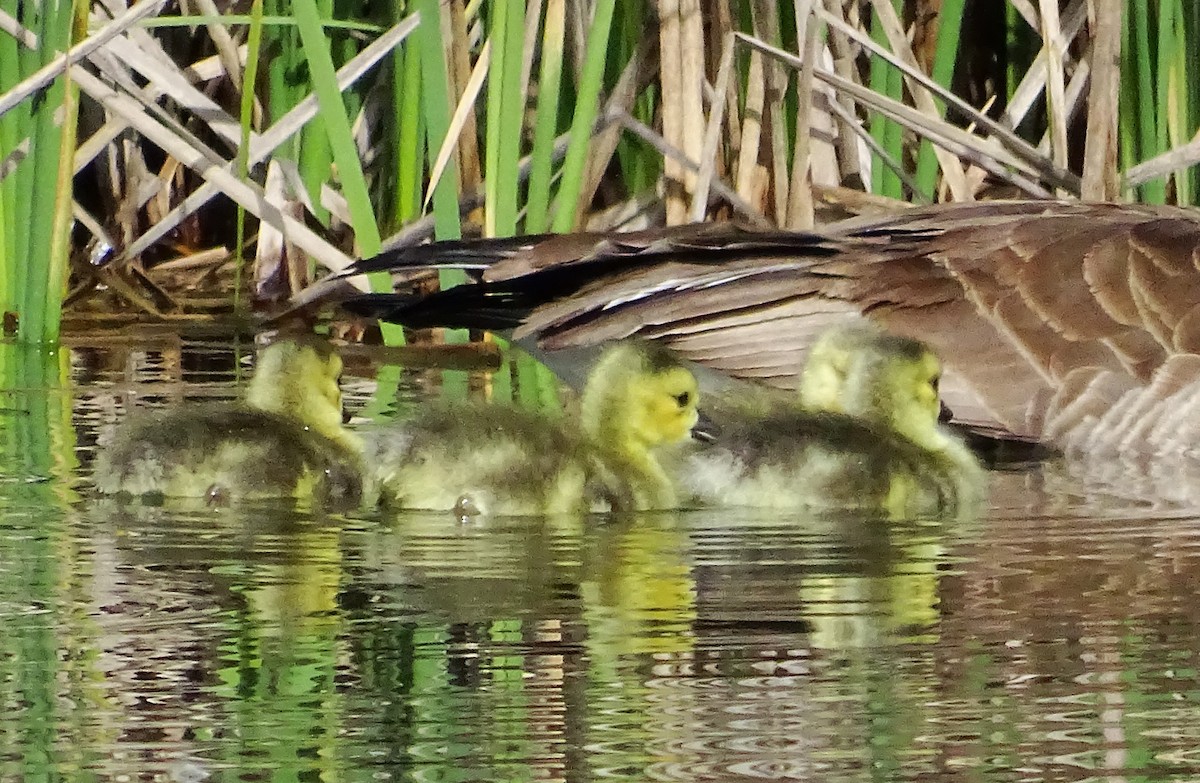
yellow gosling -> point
(864, 436)
(497, 459)
(285, 439)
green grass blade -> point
(944, 59)
(537, 386)
(337, 125)
(407, 120)
(283, 91)
(435, 93)
(502, 379)
(886, 80)
(11, 133)
(41, 272)
(506, 117)
(341, 143)
(1191, 92)
(1127, 119)
(537, 212)
(1144, 108)
(246, 120)
(435, 101)
(1173, 78)
(586, 106)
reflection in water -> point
(1055, 638)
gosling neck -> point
(312, 398)
(633, 478)
(627, 465)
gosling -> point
(500, 460)
(284, 439)
(863, 434)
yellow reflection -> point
(295, 600)
(890, 597)
(639, 594)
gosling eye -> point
(683, 399)
(934, 382)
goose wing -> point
(1045, 313)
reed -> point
(38, 138)
(548, 114)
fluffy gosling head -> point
(299, 378)
(640, 393)
(865, 372)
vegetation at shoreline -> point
(193, 195)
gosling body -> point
(863, 434)
(502, 460)
(285, 439)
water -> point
(1056, 638)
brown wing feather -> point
(1053, 319)
(1187, 333)
(1106, 272)
(1081, 399)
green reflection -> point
(280, 655)
(35, 414)
(463, 694)
(50, 681)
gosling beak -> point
(705, 429)
(945, 414)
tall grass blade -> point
(337, 125)
(36, 271)
(537, 210)
(944, 59)
(1144, 105)
(585, 116)
(254, 40)
(885, 80)
(436, 102)
(341, 144)
(408, 122)
(506, 116)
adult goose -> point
(1074, 324)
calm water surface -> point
(1055, 638)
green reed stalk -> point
(1127, 123)
(336, 121)
(886, 80)
(639, 163)
(435, 103)
(309, 148)
(10, 135)
(505, 119)
(585, 117)
(1144, 105)
(1190, 95)
(337, 126)
(254, 39)
(36, 197)
(944, 58)
(537, 212)
(407, 124)
(1174, 88)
